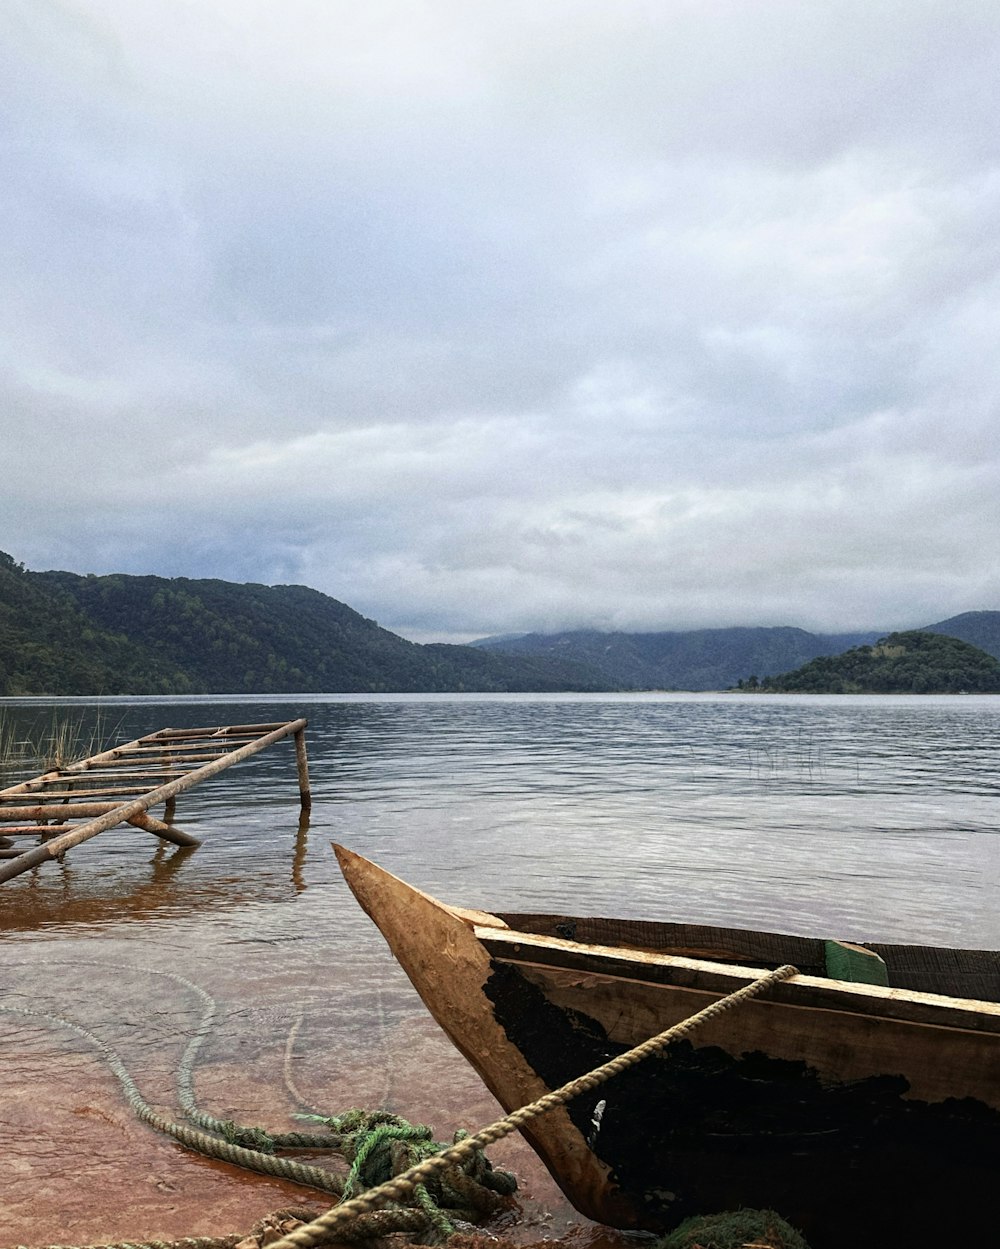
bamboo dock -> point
(67, 806)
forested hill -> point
(49, 646)
(914, 662)
(61, 633)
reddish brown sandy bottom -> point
(80, 1169)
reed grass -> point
(49, 744)
(12, 746)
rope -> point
(286, 1066)
(267, 1224)
(256, 1139)
(201, 1142)
(330, 1225)
(383, 1145)
(379, 1144)
(295, 1093)
(464, 1157)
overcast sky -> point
(484, 316)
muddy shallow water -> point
(853, 818)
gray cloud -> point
(493, 317)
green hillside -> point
(61, 633)
(915, 662)
(47, 645)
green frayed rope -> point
(380, 1145)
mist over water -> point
(845, 817)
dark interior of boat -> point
(973, 974)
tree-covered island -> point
(914, 662)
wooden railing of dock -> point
(66, 806)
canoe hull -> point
(718, 1123)
(863, 1116)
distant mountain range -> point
(716, 659)
(61, 633)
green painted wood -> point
(855, 964)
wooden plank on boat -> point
(719, 979)
(931, 969)
(52, 795)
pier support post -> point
(302, 763)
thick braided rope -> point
(400, 1187)
(268, 1164)
(195, 1242)
(256, 1139)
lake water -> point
(849, 817)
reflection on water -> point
(850, 817)
(72, 892)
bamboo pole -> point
(36, 830)
(171, 750)
(163, 760)
(83, 832)
(201, 735)
(186, 746)
(221, 731)
(149, 824)
(71, 795)
(302, 764)
(98, 775)
(51, 811)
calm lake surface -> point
(849, 817)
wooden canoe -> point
(865, 1114)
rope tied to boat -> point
(331, 1225)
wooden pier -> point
(67, 806)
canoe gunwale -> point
(905, 1005)
(943, 970)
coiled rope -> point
(331, 1225)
